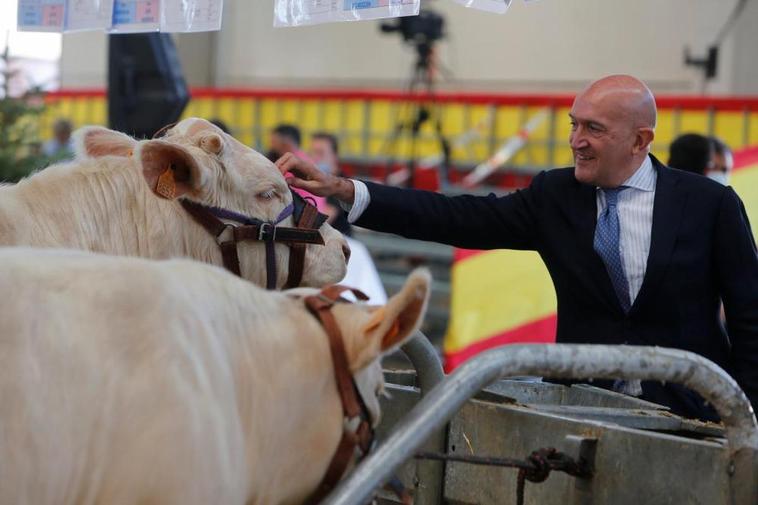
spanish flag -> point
(492, 306)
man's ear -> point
(169, 169)
(644, 138)
(391, 325)
(96, 141)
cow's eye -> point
(268, 194)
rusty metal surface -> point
(560, 361)
(401, 400)
(632, 467)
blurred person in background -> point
(691, 152)
(721, 163)
(361, 271)
(285, 138)
(60, 147)
(324, 152)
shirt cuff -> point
(360, 201)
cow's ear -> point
(169, 169)
(96, 141)
(391, 325)
(211, 143)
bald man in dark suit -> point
(639, 253)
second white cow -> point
(126, 381)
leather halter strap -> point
(308, 220)
(352, 404)
(228, 235)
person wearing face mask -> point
(324, 152)
(639, 253)
(361, 270)
(722, 162)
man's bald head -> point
(612, 127)
(628, 96)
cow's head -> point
(371, 331)
(197, 161)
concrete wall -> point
(548, 45)
(745, 71)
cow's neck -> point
(103, 206)
(293, 383)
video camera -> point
(422, 30)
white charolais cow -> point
(114, 198)
(126, 381)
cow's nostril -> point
(346, 252)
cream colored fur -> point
(104, 201)
(125, 381)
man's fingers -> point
(289, 163)
(309, 186)
(286, 163)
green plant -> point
(19, 124)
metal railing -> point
(476, 124)
(566, 361)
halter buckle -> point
(226, 235)
(264, 229)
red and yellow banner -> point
(504, 297)
(498, 297)
(744, 180)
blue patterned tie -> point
(606, 245)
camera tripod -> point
(421, 108)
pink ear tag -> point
(166, 186)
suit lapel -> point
(668, 207)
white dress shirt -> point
(635, 210)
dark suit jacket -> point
(702, 251)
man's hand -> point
(305, 175)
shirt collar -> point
(644, 178)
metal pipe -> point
(429, 373)
(423, 356)
(559, 361)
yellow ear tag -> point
(166, 186)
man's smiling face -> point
(612, 125)
(601, 141)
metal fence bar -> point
(429, 373)
(425, 360)
(559, 361)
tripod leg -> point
(405, 124)
(435, 116)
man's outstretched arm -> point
(472, 222)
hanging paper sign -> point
(191, 15)
(88, 15)
(136, 16)
(41, 15)
(496, 6)
(310, 12)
